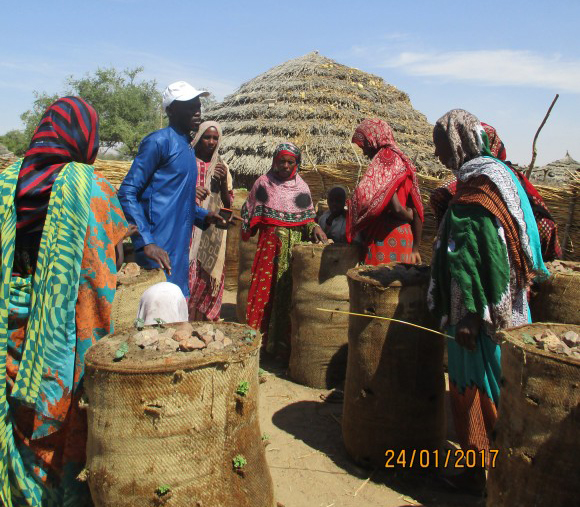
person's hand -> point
(201, 193)
(158, 255)
(318, 235)
(467, 331)
(216, 219)
(415, 257)
(130, 231)
(220, 171)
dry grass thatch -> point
(315, 103)
(558, 172)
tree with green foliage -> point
(128, 108)
(15, 141)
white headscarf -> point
(163, 301)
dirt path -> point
(308, 462)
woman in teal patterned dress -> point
(60, 225)
(487, 253)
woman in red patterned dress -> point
(386, 206)
(207, 252)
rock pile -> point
(187, 338)
(566, 343)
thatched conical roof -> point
(316, 103)
(558, 172)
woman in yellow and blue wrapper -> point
(61, 223)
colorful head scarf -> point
(389, 168)
(287, 149)
(547, 227)
(464, 132)
(276, 201)
(67, 132)
(495, 144)
(486, 181)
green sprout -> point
(265, 436)
(121, 351)
(139, 324)
(261, 372)
(250, 335)
(160, 322)
(243, 388)
(162, 490)
(239, 462)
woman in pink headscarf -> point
(386, 206)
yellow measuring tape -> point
(386, 318)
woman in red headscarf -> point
(386, 206)
(60, 228)
(547, 227)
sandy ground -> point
(308, 462)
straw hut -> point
(558, 172)
(316, 103)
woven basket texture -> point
(536, 433)
(320, 339)
(394, 390)
(175, 421)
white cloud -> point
(501, 67)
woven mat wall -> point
(321, 178)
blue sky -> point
(502, 60)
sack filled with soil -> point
(394, 391)
(173, 418)
(536, 434)
(558, 298)
(320, 339)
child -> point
(333, 221)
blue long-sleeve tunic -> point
(158, 195)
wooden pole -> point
(534, 151)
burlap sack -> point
(165, 429)
(558, 298)
(319, 339)
(394, 391)
(233, 242)
(245, 262)
(537, 432)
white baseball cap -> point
(182, 91)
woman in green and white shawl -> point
(486, 254)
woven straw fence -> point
(561, 201)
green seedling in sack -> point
(243, 388)
(160, 322)
(121, 351)
(250, 335)
(139, 324)
(239, 462)
(162, 490)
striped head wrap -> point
(288, 149)
(67, 132)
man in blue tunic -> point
(158, 193)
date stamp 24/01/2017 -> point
(454, 458)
